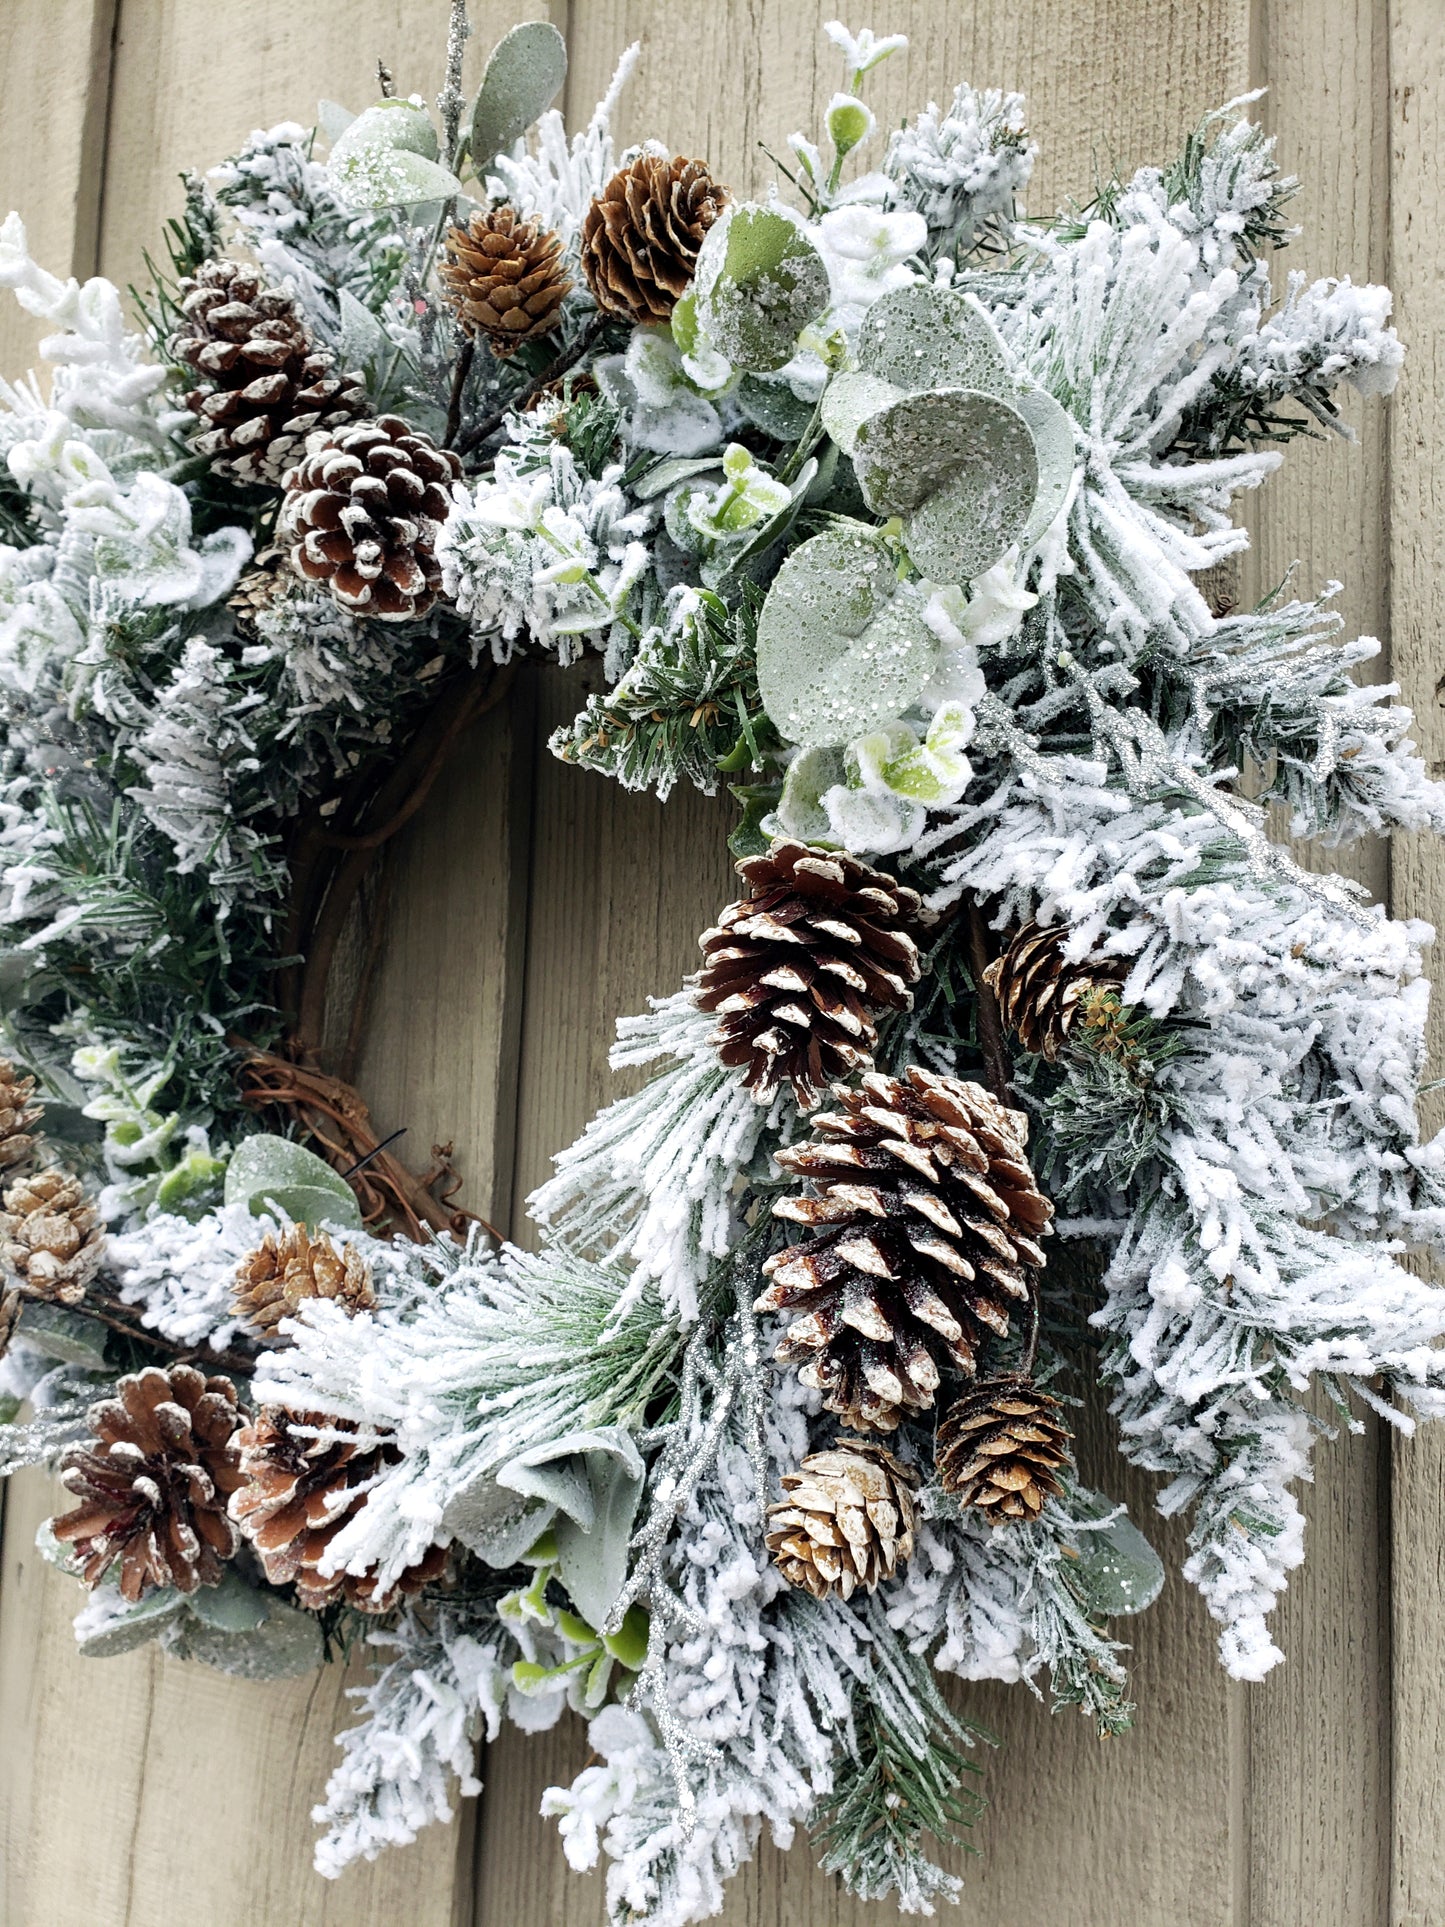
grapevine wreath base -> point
(1024, 1055)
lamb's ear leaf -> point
(924, 336)
(842, 645)
(304, 1186)
(524, 75)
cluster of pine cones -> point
(921, 1214)
(365, 500)
(175, 1475)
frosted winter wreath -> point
(1025, 1053)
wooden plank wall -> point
(531, 904)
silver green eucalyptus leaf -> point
(333, 119)
(850, 398)
(842, 645)
(773, 407)
(108, 1625)
(928, 337)
(266, 1168)
(759, 282)
(1052, 428)
(1118, 1571)
(524, 75)
(387, 157)
(231, 1606)
(800, 808)
(666, 474)
(67, 1336)
(283, 1644)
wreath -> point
(1026, 1055)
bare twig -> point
(997, 1067)
(569, 357)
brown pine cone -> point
(50, 1236)
(1041, 995)
(362, 514)
(282, 1273)
(154, 1485)
(504, 278)
(18, 1116)
(11, 1304)
(257, 588)
(847, 1520)
(298, 1492)
(1000, 1446)
(925, 1215)
(641, 235)
(265, 384)
(799, 969)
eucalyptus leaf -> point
(333, 119)
(387, 157)
(842, 645)
(1118, 1571)
(231, 1606)
(286, 1643)
(276, 1169)
(773, 407)
(109, 1625)
(1052, 428)
(363, 339)
(67, 1336)
(664, 475)
(850, 398)
(524, 75)
(810, 774)
(759, 282)
(924, 336)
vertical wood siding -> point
(529, 905)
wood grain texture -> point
(52, 140)
(1416, 517)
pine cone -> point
(641, 235)
(1040, 993)
(298, 1492)
(847, 1520)
(925, 1215)
(799, 969)
(50, 1236)
(999, 1448)
(18, 1116)
(153, 1487)
(504, 278)
(257, 588)
(11, 1303)
(265, 384)
(363, 512)
(281, 1273)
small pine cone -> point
(153, 1486)
(925, 1215)
(641, 235)
(50, 1236)
(257, 588)
(11, 1303)
(265, 384)
(504, 278)
(847, 1520)
(1000, 1446)
(799, 969)
(299, 1490)
(362, 514)
(18, 1116)
(1040, 993)
(281, 1273)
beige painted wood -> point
(52, 139)
(1417, 514)
(532, 904)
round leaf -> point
(1052, 428)
(928, 337)
(842, 645)
(304, 1185)
(1118, 1571)
(850, 399)
(524, 75)
(759, 281)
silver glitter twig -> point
(451, 101)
